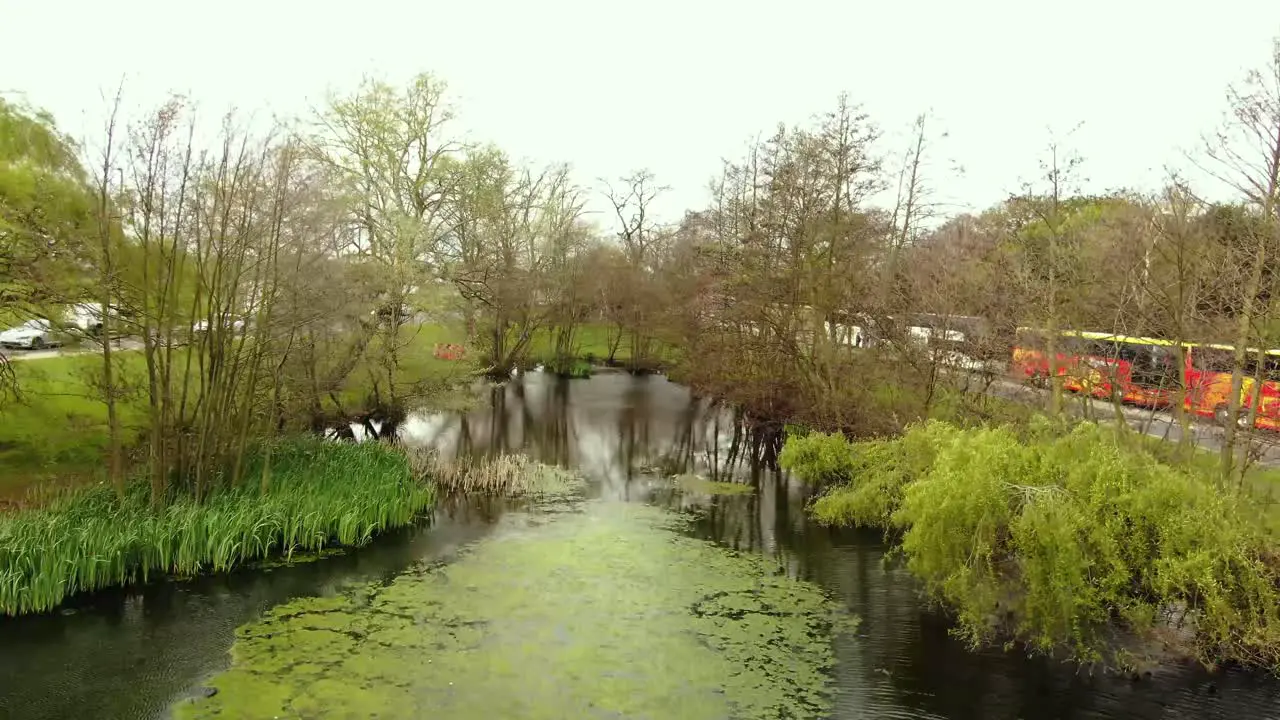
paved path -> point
(16, 355)
(1205, 434)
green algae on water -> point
(611, 612)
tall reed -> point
(322, 494)
(505, 475)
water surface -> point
(133, 654)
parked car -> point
(236, 326)
(33, 335)
(86, 317)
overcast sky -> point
(675, 86)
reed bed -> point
(503, 475)
(322, 494)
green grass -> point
(56, 433)
(591, 344)
(321, 494)
(1260, 484)
(58, 427)
(419, 373)
(590, 341)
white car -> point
(203, 325)
(86, 317)
(32, 335)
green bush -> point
(1060, 538)
(818, 458)
(882, 468)
(321, 494)
(573, 368)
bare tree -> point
(107, 230)
(641, 236)
(1049, 232)
(1245, 153)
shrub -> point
(818, 458)
(1060, 538)
(881, 469)
(573, 368)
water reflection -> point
(903, 662)
(626, 432)
(129, 654)
(615, 428)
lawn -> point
(419, 375)
(57, 428)
(56, 431)
(591, 343)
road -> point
(1205, 434)
(16, 355)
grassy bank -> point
(1076, 541)
(591, 347)
(57, 430)
(56, 433)
(321, 494)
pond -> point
(585, 610)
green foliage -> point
(58, 431)
(819, 458)
(976, 408)
(574, 368)
(881, 469)
(321, 494)
(1062, 538)
(795, 430)
(46, 207)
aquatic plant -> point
(611, 612)
(573, 368)
(321, 494)
(505, 475)
(1061, 538)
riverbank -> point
(1070, 541)
(321, 494)
(135, 653)
(55, 434)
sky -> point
(675, 87)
